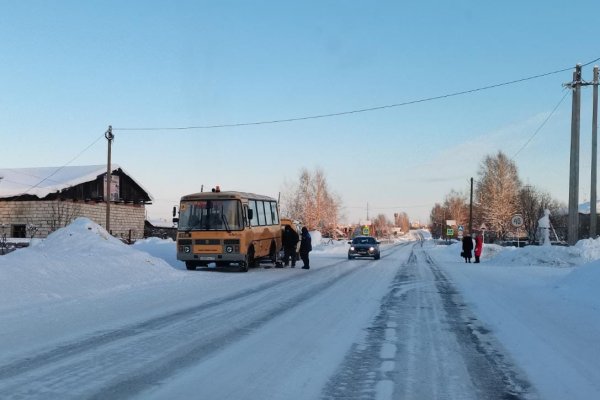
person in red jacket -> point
(478, 246)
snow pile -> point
(328, 246)
(589, 249)
(581, 265)
(80, 260)
(582, 284)
(164, 249)
(559, 256)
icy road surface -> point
(395, 328)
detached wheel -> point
(350, 257)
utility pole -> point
(593, 215)
(573, 222)
(109, 137)
(471, 210)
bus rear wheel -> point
(273, 256)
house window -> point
(19, 231)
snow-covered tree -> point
(311, 202)
(497, 193)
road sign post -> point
(517, 222)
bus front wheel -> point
(190, 265)
(248, 261)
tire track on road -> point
(404, 356)
(150, 351)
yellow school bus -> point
(228, 228)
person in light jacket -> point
(305, 247)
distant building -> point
(36, 201)
(160, 228)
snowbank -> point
(559, 256)
(82, 259)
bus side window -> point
(247, 215)
(274, 212)
(268, 213)
(261, 212)
(252, 214)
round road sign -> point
(517, 220)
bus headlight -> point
(186, 249)
(229, 249)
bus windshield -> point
(210, 215)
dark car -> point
(364, 246)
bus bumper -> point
(208, 258)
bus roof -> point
(225, 195)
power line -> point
(541, 125)
(362, 110)
(386, 208)
(16, 171)
(63, 166)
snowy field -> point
(541, 303)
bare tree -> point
(457, 208)
(62, 213)
(530, 203)
(381, 225)
(402, 221)
(497, 192)
(312, 202)
(31, 228)
(437, 218)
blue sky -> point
(68, 69)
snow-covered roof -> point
(45, 180)
(585, 208)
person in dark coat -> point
(467, 247)
(289, 240)
(305, 247)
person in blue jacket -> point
(305, 247)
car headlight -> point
(371, 249)
(352, 248)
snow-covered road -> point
(363, 329)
